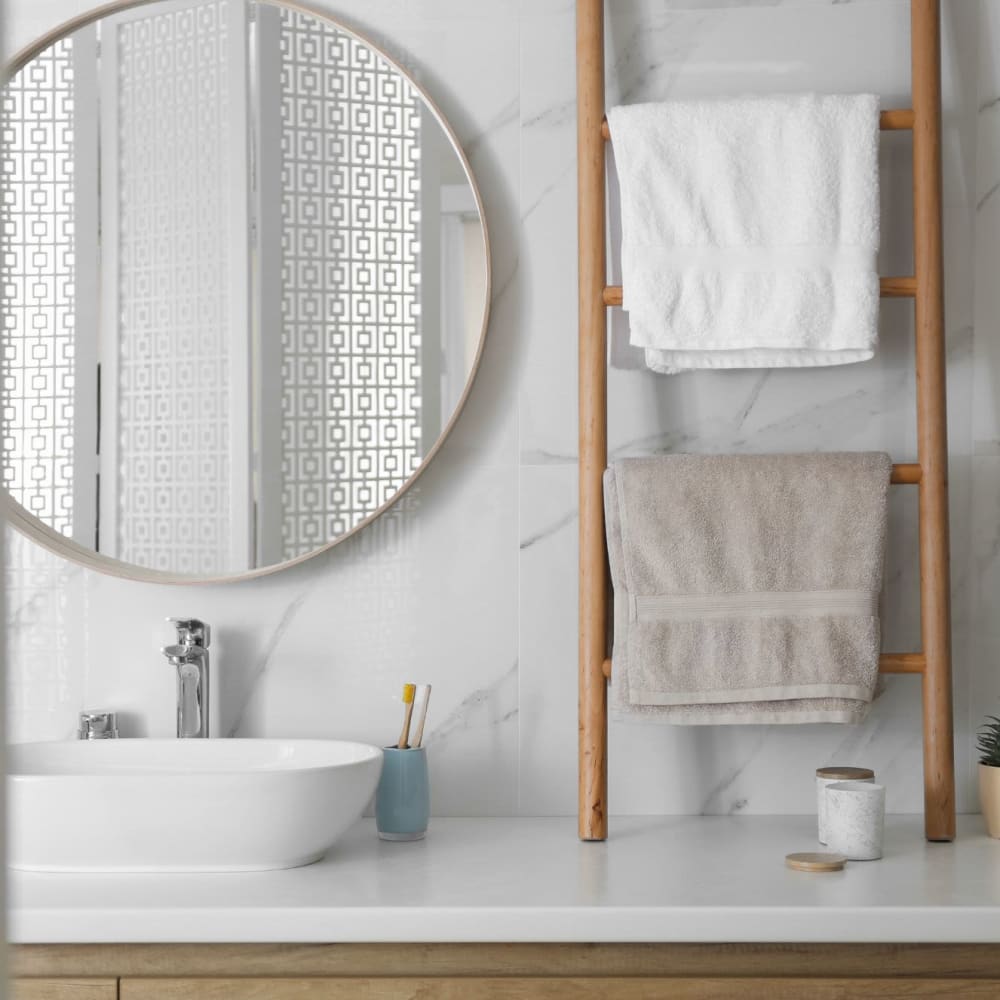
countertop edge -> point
(542, 925)
(717, 880)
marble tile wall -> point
(471, 582)
(984, 569)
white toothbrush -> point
(424, 697)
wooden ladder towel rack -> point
(929, 473)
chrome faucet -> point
(190, 657)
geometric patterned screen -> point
(38, 280)
(345, 145)
(175, 266)
(350, 270)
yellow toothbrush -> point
(408, 692)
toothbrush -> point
(408, 692)
(425, 697)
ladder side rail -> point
(932, 431)
(593, 403)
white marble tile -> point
(45, 688)
(548, 640)
(548, 381)
(428, 596)
(471, 583)
(986, 417)
(980, 631)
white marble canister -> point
(855, 817)
(826, 776)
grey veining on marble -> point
(471, 583)
(491, 705)
(263, 660)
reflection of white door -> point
(174, 340)
(462, 287)
(86, 199)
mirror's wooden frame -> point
(27, 524)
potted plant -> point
(988, 741)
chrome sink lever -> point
(192, 632)
(190, 658)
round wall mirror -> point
(246, 274)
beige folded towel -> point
(747, 587)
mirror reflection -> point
(246, 279)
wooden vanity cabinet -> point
(65, 989)
(504, 972)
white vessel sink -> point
(183, 805)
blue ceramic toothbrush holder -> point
(403, 798)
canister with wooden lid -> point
(827, 776)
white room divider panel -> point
(350, 280)
(49, 173)
(176, 348)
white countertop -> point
(678, 879)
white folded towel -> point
(750, 229)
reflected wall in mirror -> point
(246, 277)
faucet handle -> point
(192, 632)
(180, 655)
(98, 726)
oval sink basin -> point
(183, 805)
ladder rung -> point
(907, 474)
(892, 288)
(888, 663)
(898, 288)
(902, 663)
(896, 119)
(893, 120)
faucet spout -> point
(190, 658)
(192, 689)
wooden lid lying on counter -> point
(845, 773)
(816, 861)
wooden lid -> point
(816, 861)
(845, 773)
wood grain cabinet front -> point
(546, 988)
(64, 989)
(506, 972)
